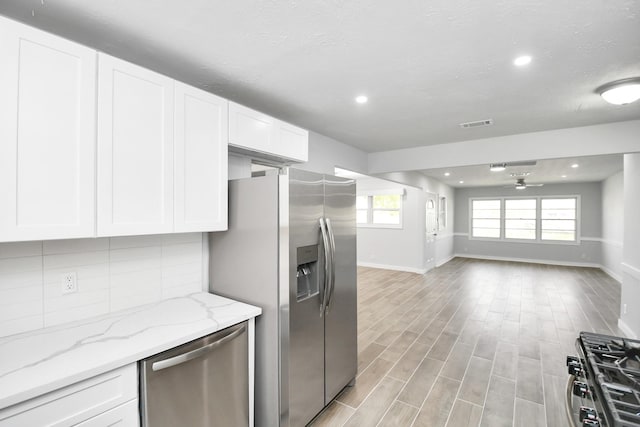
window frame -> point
(538, 239)
(370, 210)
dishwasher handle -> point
(185, 357)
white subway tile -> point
(183, 290)
(65, 302)
(85, 286)
(51, 247)
(19, 310)
(178, 238)
(19, 272)
(21, 294)
(135, 241)
(181, 254)
(20, 249)
(23, 324)
(76, 313)
(75, 260)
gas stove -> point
(604, 383)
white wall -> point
(630, 320)
(585, 253)
(610, 138)
(393, 248)
(325, 154)
(613, 225)
(112, 274)
(445, 239)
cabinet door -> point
(125, 415)
(292, 142)
(250, 129)
(201, 136)
(47, 135)
(135, 149)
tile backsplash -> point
(112, 274)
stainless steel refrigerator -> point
(291, 249)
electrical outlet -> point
(68, 283)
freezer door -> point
(306, 270)
(341, 316)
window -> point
(559, 219)
(379, 210)
(536, 219)
(520, 219)
(485, 220)
(442, 213)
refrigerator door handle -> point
(332, 243)
(327, 265)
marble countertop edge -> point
(46, 371)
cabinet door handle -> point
(185, 357)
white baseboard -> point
(530, 261)
(614, 276)
(627, 330)
(630, 269)
(444, 261)
(393, 267)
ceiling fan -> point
(521, 185)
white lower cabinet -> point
(85, 401)
(125, 415)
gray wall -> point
(395, 248)
(444, 240)
(630, 320)
(587, 252)
(613, 224)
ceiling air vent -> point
(479, 123)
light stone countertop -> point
(41, 361)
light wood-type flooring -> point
(470, 343)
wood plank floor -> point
(471, 343)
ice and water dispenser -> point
(307, 272)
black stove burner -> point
(613, 370)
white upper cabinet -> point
(254, 133)
(250, 129)
(293, 142)
(47, 135)
(135, 149)
(200, 160)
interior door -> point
(306, 327)
(431, 231)
(341, 353)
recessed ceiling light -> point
(564, 176)
(497, 167)
(447, 173)
(461, 182)
(575, 165)
(521, 61)
(621, 92)
(362, 99)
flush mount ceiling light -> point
(497, 167)
(521, 61)
(461, 182)
(362, 99)
(447, 173)
(621, 92)
(575, 165)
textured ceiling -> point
(594, 168)
(425, 65)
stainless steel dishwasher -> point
(202, 383)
